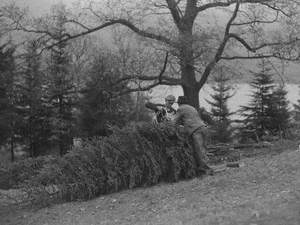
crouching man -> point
(189, 117)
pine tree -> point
(257, 113)
(35, 115)
(279, 112)
(139, 111)
(6, 83)
(221, 129)
(9, 119)
(297, 110)
(61, 90)
(99, 109)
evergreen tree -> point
(36, 128)
(9, 119)
(6, 83)
(139, 111)
(257, 113)
(61, 90)
(221, 129)
(297, 110)
(279, 112)
(99, 110)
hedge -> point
(135, 156)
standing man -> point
(163, 112)
(189, 117)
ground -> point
(266, 191)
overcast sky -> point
(38, 7)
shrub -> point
(137, 155)
(22, 170)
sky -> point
(39, 7)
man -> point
(163, 112)
(188, 116)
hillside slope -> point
(264, 192)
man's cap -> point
(170, 98)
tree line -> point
(45, 104)
(267, 114)
(42, 104)
(53, 89)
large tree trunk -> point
(189, 83)
(192, 95)
(188, 76)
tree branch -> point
(242, 41)
(220, 50)
(124, 22)
(159, 77)
(257, 21)
(226, 4)
(146, 88)
(275, 8)
(160, 80)
(172, 5)
(90, 8)
(214, 5)
(254, 49)
(164, 68)
(277, 56)
(19, 27)
(276, 44)
(79, 24)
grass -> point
(266, 192)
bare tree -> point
(187, 29)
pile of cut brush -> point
(137, 155)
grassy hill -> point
(266, 191)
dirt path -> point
(264, 192)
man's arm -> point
(178, 117)
(205, 116)
(152, 106)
